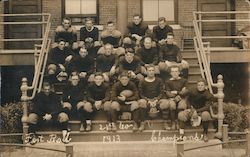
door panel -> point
(23, 31)
(216, 28)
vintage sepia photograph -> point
(125, 78)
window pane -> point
(72, 7)
(150, 10)
(153, 9)
(88, 7)
(166, 9)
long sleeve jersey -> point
(148, 56)
(117, 88)
(98, 93)
(150, 90)
(200, 100)
(47, 104)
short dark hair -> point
(60, 40)
(129, 50)
(46, 84)
(135, 15)
(66, 18)
(162, 19)
(150, 66)
(110, 22)
(202, 80)
(88, 19)
(98, 74)
(124, 74)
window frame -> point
(96, 16)
(156, 20)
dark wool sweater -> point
(117, 88)
(141, 29)
(175, 85)
(170, 52)
(200, 100)
(111, 38)
(69, 35)
(98, 93)
(148, 56)
(84, 33)
(159, 34)
(104, 62)
(73, 94)
(150, 90)
(57, 56)
(134, 66)
(80, 64)
(50, 104)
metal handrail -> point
(28, 146)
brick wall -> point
(107, 11)
(242, 5)
(1, 26)
(54, 8)
(185, 12)
(134, 7)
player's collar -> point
(178, 78)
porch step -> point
(124, 149)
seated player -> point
(130, 63)
(150, 90)
(176, 92)
(98, 94)
(137, 29)
(112, 36)
(199, 101)
(106, 63)
(73, 95)
(161, 30)
(170, 55)
(82, 64)
(58, 59)
(66, 32)
(148, 55)
(47, 110)
(124, 98)
(89, 32)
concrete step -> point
(126, 135)
(124, 149)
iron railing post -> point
(24, 100)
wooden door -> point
(218, 28)
(23, 31)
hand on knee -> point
(67, 105)
(134, 106)
(115, 106)
(88, 107)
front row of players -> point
(172, 100)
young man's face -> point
(83, 52)
(137, 20)
(151, 72)
(75, 80)
(98, 80)
(170, 39)
(129, 57)
(162, 24)
(147, 43)
(110, 27)
(175, 72)
(201, 86)
(66, 23)
(61, 45)
(124, 80)
(89, 24)
(46, 90)
(108, 50)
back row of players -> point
(142, 73)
